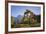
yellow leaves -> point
(25, 19)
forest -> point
(28, 20)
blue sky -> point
(19, 10)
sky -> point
(19, 10)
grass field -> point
(26, 25)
